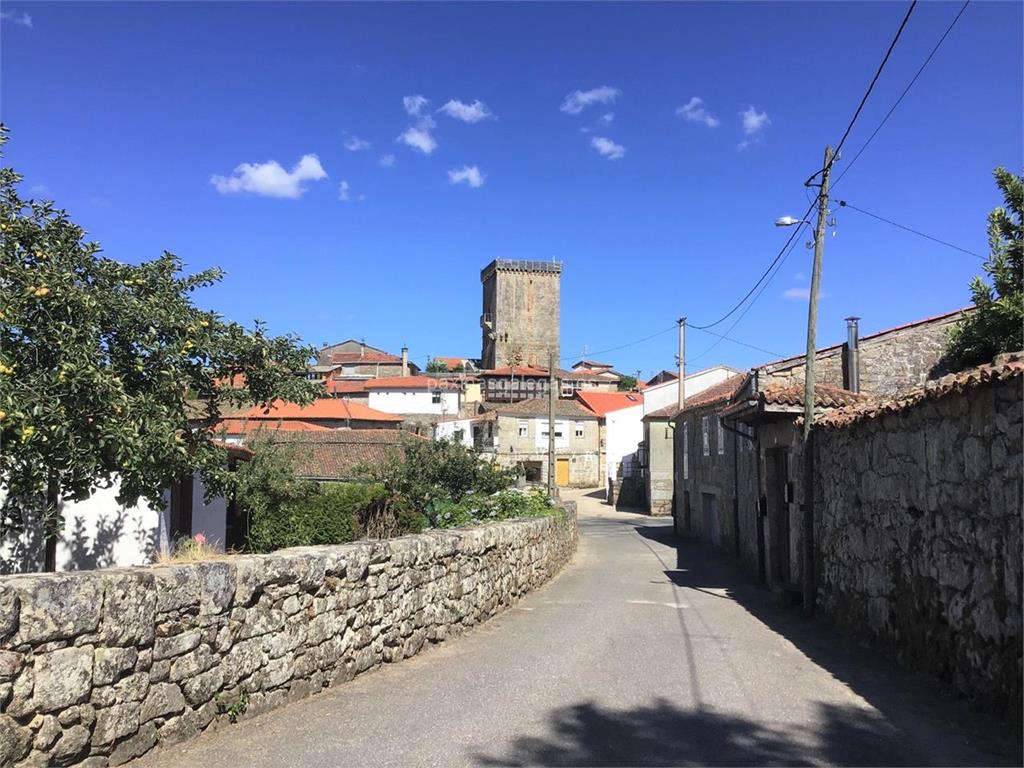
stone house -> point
(767, 404)
(514, 383)
(516, 434)
(656, 453)
(351, 358)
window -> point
(721, 435)
(705, 437)
(579, 429)
(435, 397)
(686, 450)
(524, 428)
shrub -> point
(331, 515)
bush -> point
(503, 505)
(331, 515)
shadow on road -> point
(661, 734)
(903, 698)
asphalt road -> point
(638, 653)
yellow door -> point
(561, 472)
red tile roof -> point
(345, 386)
(451, 362)
(407, 382)
(722, 392)
(825, 396)
(234, 449)
(1004, 367)
(603, 403)
(592, 364)
(324, 408)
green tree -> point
(108, 371)
(997, 325)
(627, 383)
(437, 366)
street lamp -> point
(789, 221)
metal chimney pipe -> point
(405, 361)
(852, 354)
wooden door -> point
(561, 472)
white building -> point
(658, 396)
(414, 395)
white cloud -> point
(577, 101)
(418, 136)
(17, 17)
(754, 121)
(387, 161)
(467, 113)
(270, 179)
(469, 174)
(608, 148)
(414, 104)
(355, 144)
(800, 294)
(693, 111)
(39, 189)
(344, 192)
(607, 118)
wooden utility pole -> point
(551, 424)
(808, 447)
(682, 362)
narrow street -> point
(637, 654)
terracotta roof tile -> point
(322, 408)
(345, 386)
(406, 382)
(246, 426)
(369, 356)
(825, 396)
(603, 403)
(722, 392)
(1002, 368)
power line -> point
(844, 204)
(627, 344)
(839, 146)
(723, 337)
(874, 80)
(905, 92)
(774, 261)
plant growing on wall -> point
(437, 366)
(997, 325)
(108, 371)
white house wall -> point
(446, 430)
(624, 429)
(667, 393)
(399, 401)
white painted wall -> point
(667, 393)
(446, 430)
(100, 533)
(413, 401)
(624, 429)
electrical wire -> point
(623, 346)
(789, 242)
(906, 90)
(874, 80)
(723, 337)
(845, 204)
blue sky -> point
(137, 116)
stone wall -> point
(890, 361)
(101, 666)
(919, 535)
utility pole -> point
(551, 424)
(682, 362)
(808, 447)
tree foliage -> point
(437, 366)
(997, 325)
(627, 383)
(109, 371)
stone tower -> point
(520, 320)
